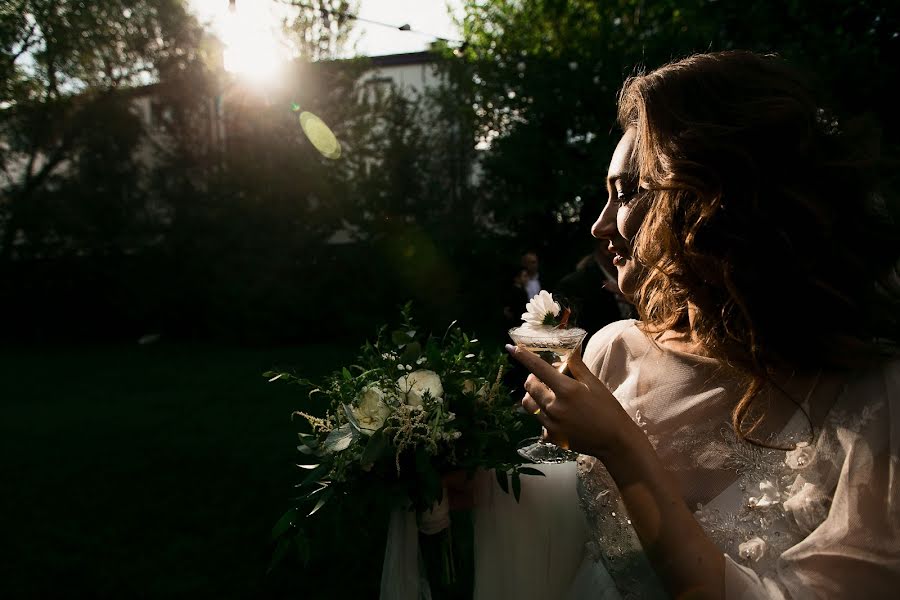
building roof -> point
(409, 58)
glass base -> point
(538, 451)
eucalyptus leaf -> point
(308, 467)
(516, 485)
(502, 480)
(340, 439)
(304, 449)
(351, 417)
(308, 439)
(531, 471)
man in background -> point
(533, 282)
(592, 291)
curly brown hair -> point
(764, 217)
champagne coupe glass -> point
(554, 346)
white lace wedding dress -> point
(821, 521)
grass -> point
(156, 472)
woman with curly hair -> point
(741, 438)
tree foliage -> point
(546, 74)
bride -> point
(741, 440)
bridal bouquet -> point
(412, 409)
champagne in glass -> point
(554, 345)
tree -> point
(546, 74)
(63, 64)
(319, 29)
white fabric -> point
(529, 549)
(823, 521)
(401, 575)
(526, 550)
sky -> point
(249, 29)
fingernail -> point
(510, 348)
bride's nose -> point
(605, 225)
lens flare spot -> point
(320, 135)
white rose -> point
(371, 410)
(753, 549)
(414, 386)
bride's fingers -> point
(532, 408)
(544, 371)
(539, 391)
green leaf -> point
(430, 478)
(502, 480)
(322, 500)
(399, 338)
(516, 486)
(314, 475)
(319, 505)
(378, 443)
(309, 439)
(340, 439)
(285, 523)
(411, 353)
(531, 471)
(345, 373)
(304, 449)
(281, 551)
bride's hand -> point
(578, 413)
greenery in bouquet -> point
(412, 408)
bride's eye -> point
(624, 197)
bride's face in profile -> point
(623, 214)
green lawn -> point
(157, 472)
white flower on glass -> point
(370, 411)
(753, 549)
(770, 495)
(541, 310)
(414, 386)
(800, 457)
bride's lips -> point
(619, 258)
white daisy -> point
(542, 310)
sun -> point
(255, 48)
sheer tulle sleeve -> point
(853, 545)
